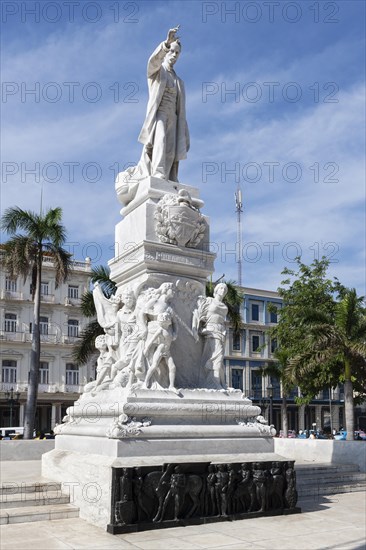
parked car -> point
(290, 433)
(360, 435)
(341, 436)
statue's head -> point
(128, 297)
(220, 291)
(100, 342)
(167, 289)
(174, 52)
(164, 319)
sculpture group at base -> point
(139, 330)
(176, 492)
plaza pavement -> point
(333, 522)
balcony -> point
(48, 298)
(71, 388)
(70, 339)
(47, 388)
(26, 337)
(72, 301)
(7, 386)
(11, 295)
(13, 336)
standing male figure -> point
(165, 131)
(164, 134)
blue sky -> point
(275, 105)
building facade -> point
(249, 350)
(61, 322)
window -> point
(10, 322)
(255, 312)
(73, 292)
(256, 384)
(73, 328)
(273, 345)
(43, 325)
(236, 341)
(9, 371)
(43, 372)
(255, 342)
(326, 393)
(72, 374)
(237, 378)
(10, 285)
(273, 317)
(44, 288)
(276, 385)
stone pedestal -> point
(142, 257)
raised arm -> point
(157, 57)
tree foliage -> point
(307, 288)
(322, 328)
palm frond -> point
(61, 260)
(86, 346)
(100, 274)
(87, 304)
(19, 255)
(15, 219)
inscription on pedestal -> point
(175, 258)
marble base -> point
(84, 465)
(138, 415)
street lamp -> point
(270, 396)
(11, 400)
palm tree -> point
(41, 234)
(85, 348)
(335, 340)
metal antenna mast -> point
(239, 210)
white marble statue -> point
(164, 134)
(130, 340)
(161, 341)
(209, 322)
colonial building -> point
(250, 349)
(61, 380)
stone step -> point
(12, 488)
(329, 489)
(327, 476)
(37, 498)
(315, 480)
(38, 513)
(320, 466)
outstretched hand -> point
(172, 35)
